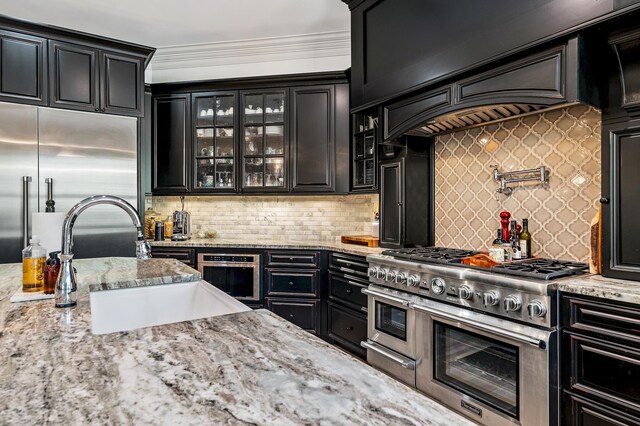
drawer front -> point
(603, 370)
(309, 259)
(346, 325)
(349, 264)
(303, 313)
(578, 410)
(342, 289)
(187, 256)
(292, 282)
(603, 318)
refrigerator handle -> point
(50, 203)
(25, 210)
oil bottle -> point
(34, 258)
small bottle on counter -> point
(51, 272)
(34, 259)
(525, 240)
(159, 232)
(168, 227)
(498, 242)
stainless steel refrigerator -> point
(85, 154)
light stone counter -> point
(275, 243)
(602, 287)
(247, 368)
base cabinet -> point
(302, 312)
(600, 362)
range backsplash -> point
(312, 218)
(566, 141)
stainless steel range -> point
(481, 341)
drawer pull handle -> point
(349, 291)
(349, 328)
(290, 283)
(290, 315)
(364, 309)
(291, 259)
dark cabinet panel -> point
(303, 313)
(347, 328)
(171, 142)
(308, 259)
(621, 198)
(627, 49)
(391, 210)
(293, 282)
(313, 138)
(184, 255)
(348, 292)
(123, 84)
(23, 76)
(580, 411)
(74, 80)
(426, 42)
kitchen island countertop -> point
(246, 368)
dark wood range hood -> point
(556, 76)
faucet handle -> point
(143, 249)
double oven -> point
(483, 344)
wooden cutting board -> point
(361, 240)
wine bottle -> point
(525, 240)
(514, 239)
(498, 242)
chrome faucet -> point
(66, 288)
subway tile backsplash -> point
(566, 141)
(312, 218)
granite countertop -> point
(602, 287)
(245, 368)
(271, 243)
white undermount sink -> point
(131, 308)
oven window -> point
(482, 368)
(235, 281)
(391, 320)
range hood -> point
(551, 78)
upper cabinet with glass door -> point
(364, 153)
(264, 146)
(214, 141)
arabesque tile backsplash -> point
(312, 218)
(566, 141)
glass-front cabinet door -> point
(214, 120)
(265, 145)
(363, 153)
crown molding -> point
(271, 49)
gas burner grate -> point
(430, 254)
(544, 269)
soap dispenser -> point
(34, 258)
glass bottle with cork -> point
(34, 257)
(525, 240)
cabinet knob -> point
(290, 283)
(604, 200)
(97, 109)
(290, 315)
(349, 291)
(349, 328)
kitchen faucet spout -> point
(66, 286)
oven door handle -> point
(409, 365)
(380, 295)
(510, 334)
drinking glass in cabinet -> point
(224, 111)
(274, 170)
(224, 142)
(274, 143)
(204, 142)
(274, 108)
(253, 140)
(253, 109)
(205, 111)
(368, 145)
(224, 173)
(205, 174)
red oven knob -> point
(512, 303)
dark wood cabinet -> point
(627, 50)
(313, 153)
(406, 195)
(401, 46)
(184, 255)
(347, 305)
(171, 143)
(364, 153)
(87, 78)
(23, 68)
(295, 287)
(621, 200)
(599, 362)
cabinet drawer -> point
(303, 313)
(287, 282)
(603, 370)
(602, 318)
(187, 256)
(310, 259)
(342, 289)
(347, 325)
(582, 411)
(349, 264)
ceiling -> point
(162, 23)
